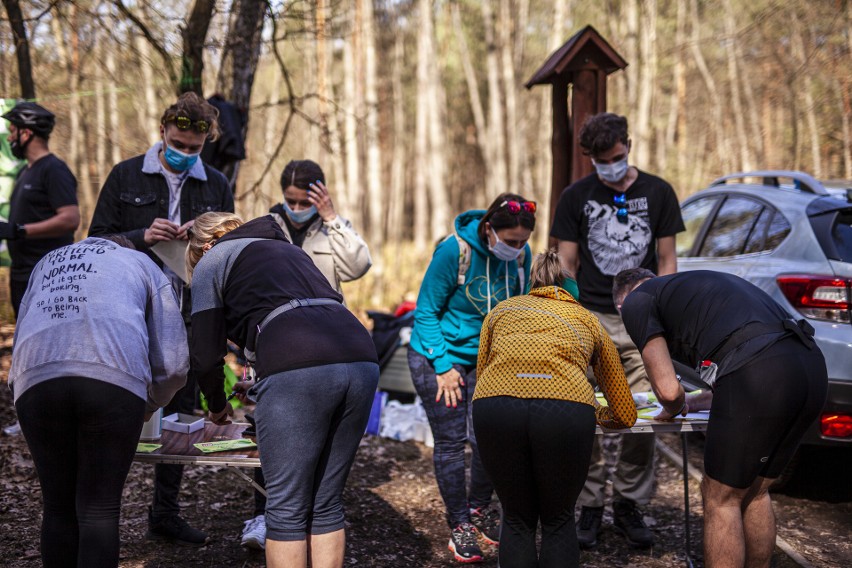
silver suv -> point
(791, 236)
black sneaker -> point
(627, 520)
(487, 522)
(175, 530)
(463, 544)
(589, 526)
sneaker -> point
(627, 519)
(589, 526)
(175, 530)
(463, 544)
(12, 429)
(487, 523)
(254, 533)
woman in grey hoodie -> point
(99, 345)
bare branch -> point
(167, 61)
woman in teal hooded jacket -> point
(485, 261)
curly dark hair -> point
(194, 108)
(601, 132)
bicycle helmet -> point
(32, 116)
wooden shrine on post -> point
(583, 63)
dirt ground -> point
(394, 512)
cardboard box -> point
(183, 423)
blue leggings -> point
(452, 429)
(82, 434)
(309, 424)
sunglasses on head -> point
(620, 201)
(515, 207)
(185, 123)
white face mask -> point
(613, 173)
(501, 250)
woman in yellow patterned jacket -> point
(534, 412)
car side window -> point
(779, 228)
(731, 227)
(758, 234)
(694, 215)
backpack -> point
(464, 261)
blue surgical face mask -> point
(301, 216)
(501, 250)
(613, 173)
(177, 160)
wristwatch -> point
(20, 231)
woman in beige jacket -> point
(309, 220)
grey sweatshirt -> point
(94, 309)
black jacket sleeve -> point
(207, 348)
(107, 217)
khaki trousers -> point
(633, 477)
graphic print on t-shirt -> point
(616, 245)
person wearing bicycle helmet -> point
(43, 211)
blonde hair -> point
(547, 270)
(207, 229)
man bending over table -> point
(768, 381)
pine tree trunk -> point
(22, 48)
(647, 80)
(396, 198)
(376, 189)
(112, 104)
(352, 104)
(496, 137)
(734, 81)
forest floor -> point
(394, 512)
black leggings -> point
(536, 453)
(82, 434)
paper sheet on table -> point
(647, 407)
(225, 445)
(143, 448)
(173, 255)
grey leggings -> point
(309, 424)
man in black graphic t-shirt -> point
(614, 219)
(43, 211)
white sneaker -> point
(254, 533)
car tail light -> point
(819, 297)
(836, 425)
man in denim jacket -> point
(155, 198)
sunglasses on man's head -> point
(620, 201)
(515, 207)
(185, 123)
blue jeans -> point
(452, 428)
(309, 424)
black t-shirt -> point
(586, 214)
(697, 311)
(39, 191)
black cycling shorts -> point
(761, 412)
